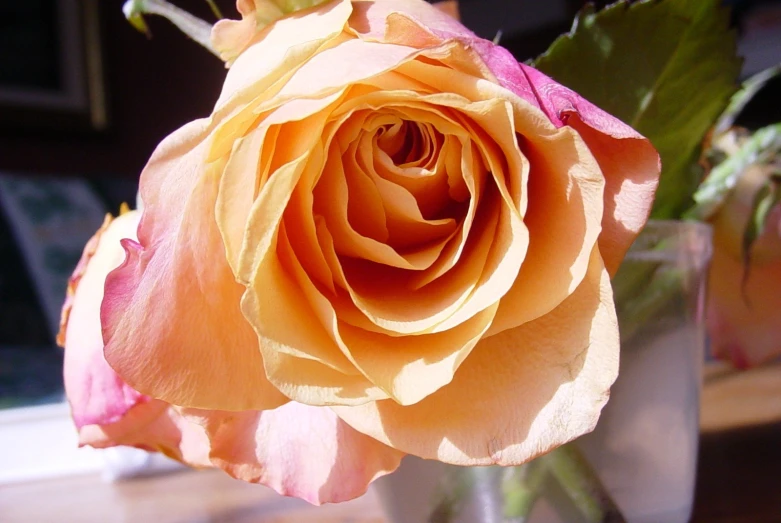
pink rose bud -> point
(744, 302)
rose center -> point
(407, 144)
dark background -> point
(154, 86)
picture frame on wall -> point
(51, 66)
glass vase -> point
(641, 458)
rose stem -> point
(582, 486)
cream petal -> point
(280, 50)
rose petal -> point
(297, 450)
(628, 161)
(153, 426)
(743, 313)
(231, 37)
(78, 272)
(279, 50)
(175, 278)
(548, 381)
(95, 392)
(379, 20)
(566, 191)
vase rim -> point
(673, 241)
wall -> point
(154, 87)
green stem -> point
(582, 485)
(451, 496)
(197, 29)
(215, 10)
(657, 292)
(522, 487)
(509, 494)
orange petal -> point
(301, 357)
(404, 21)
(549, 380)
(231, 37)
(566, 190)
(171, 317)
(630, 165)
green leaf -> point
(764, 202)
(666, 67)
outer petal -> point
(297, 450)
(280, 49)
(153, 426)
(231, 37)
(96, 394)
(629, 162)
(105, 409)
(548, 381)
(171, 317)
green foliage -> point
(668, 68)
(761, 146)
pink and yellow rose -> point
(744, 303)
(388, 238)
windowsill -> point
(40, 443)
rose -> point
(744, 301)
(291, 449)
(389, 220)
